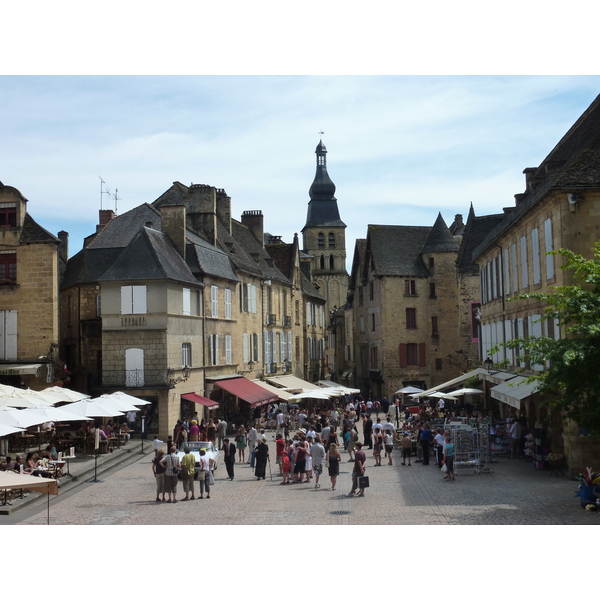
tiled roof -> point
(440, 239)
(476, 229)
(33, 233)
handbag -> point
(176, 470)
(444, 468)
(363, 481)
(211, 479)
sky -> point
(401, 148)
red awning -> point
(198, 399)
(247, 390)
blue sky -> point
(400, 148)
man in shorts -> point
(317, 452)
(360, 460)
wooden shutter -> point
(422, 356)
(403, 355)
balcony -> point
(287, 321)
(271, 319)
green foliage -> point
(573, 378)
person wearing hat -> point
(406, 448)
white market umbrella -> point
(131, 399)
(91, 408)
(8, 430)
(115, 403)
(464, 392)
(24, 400)
(409, 390)
(64, 394)
(18, 418)
(51, 413)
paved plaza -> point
(513, 494)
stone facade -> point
(28, 293)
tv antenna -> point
(103, 190)
(116, 197)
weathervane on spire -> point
(321, 133)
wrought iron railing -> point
(131, 378)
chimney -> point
(63, 249)
(105, 217)
(224, 209)
(253, 220)
(173, 225)
(202, 211)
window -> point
(214, 301)
(186, 355)
(410, 287)
(274, 347)
(214, 349)
(331, 263)
(361, 323)
(434, 326)
(8, 334)
(412, 354)
(134, 367)
(255, 348)
(371, 291)
(438, 364)
(297, 311)
(321, 240)
(322, 263)
(98, 306)
(411, 318)
(187, 301)
(431, 262)
(432, 290)
(308, 314)
(8, 268)
(8, 214)
(133, 300)
(372, 321)
(332, 240)
(506, 272)
(374, 357)
(289, 344)
(227, 304)
(227, 349)
(245, 348)
(247, 297)
(360, 296)
(267, 338)
(515, 268)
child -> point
(285, 465)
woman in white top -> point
(308, 466)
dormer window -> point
(8, 214)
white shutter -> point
(227, 349)
(126, 299)
(274, 348)
(508, 336)
(515, 271)
(289, 342)
(8, 334)
(549, 246)
(524, 270)
(214, 301)
(535, 245)
(187, 301)
(283, 346)
(506, 273)
(139, 300)
(227, 303)
(252, 299)
(308, 322)
(267, 351)
(243, 298)
(245, 347)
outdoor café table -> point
(66, 458)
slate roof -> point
(33, 233)
(572, 165)
(440, 239)
(396, 249)
(204, 259)
(150, 255)
(475, 231)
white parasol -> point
(8, 429)
(464, 392)
(130, 399)
(64, 394)
(317, 394)
(23, 399)
(409, 390)
(91, 408)
(51, 413)
(115, 403)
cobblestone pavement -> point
(513, 494)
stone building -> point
(410, 303)
(176, 300)
(30, 268)
(560, 208)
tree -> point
(572, 381)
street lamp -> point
(489, 364)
